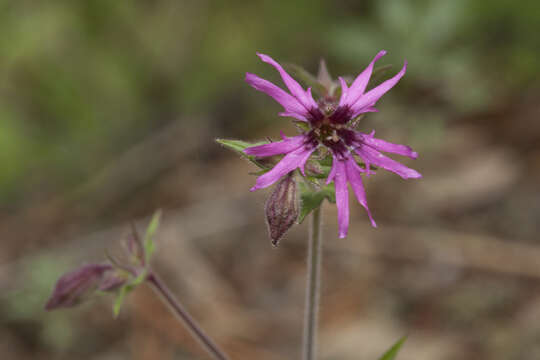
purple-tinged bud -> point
(282, 208)
(76, 286)
(112, 280)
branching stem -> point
(184, 317)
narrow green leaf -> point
(126, 289)
(302, 125)
(149, 245)
(392, 352)
(119, 300)
(139, 279)
(312, 199)
(238, 146)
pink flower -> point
(329, 123)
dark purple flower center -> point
(329, 126)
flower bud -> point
(282, 208)
(76, 286)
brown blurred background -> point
(108, 110)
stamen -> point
(335, 137)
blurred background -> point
(109, 110)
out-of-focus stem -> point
(185, 318)
(309, 347)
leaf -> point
(312, 199)
(126, 289)
(149, 245)
(138, 280)
(392, 352)
(238, 146)
(119, 300)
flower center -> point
(327, 133)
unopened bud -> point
(76, 286)
(282, 208)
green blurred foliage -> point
(83, 80)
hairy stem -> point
(185, 318)
(313, 287)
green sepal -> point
(126, 289)
(312, 199)
(302, 125)
(148, 243)
(238, 146)
(119, 300)
(392, 352)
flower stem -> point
(313, 286)
(185, 318)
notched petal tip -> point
(380, 54)
(265, 57)
(373, 223)
(251, 78)
(404, 68)
(415, 175)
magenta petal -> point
(370, 155)
(342, 197)
(332, 172)
(294, 115)
(294, 87)
(385, 146)
(291, 161)
(291, 105)
(355, 179)
(370, 98)
(275, 148)
(360, 83)
(344, 91)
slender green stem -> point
(185, 318)
(313, 287)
